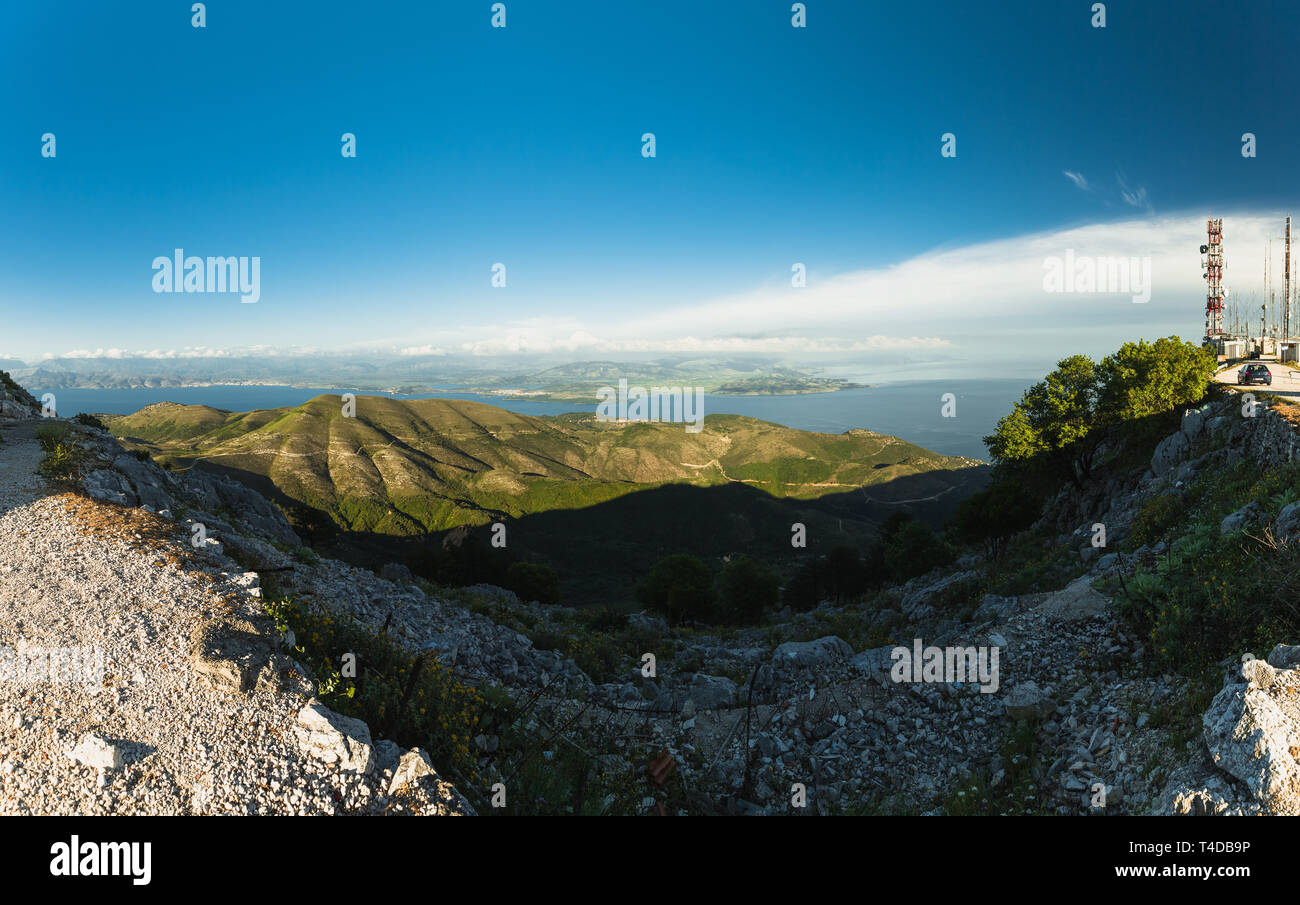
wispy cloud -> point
(1078, 179)
(1133, 197)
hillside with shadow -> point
(420, 482)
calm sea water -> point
(911, 410)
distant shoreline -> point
(419, 389)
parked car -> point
(1249, 374)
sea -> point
(918, 411)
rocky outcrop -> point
(1244, 519)
(1251, 745)
(920, 594)
(818, 654)
(15, 402)
(335, 739)
(1169, 452)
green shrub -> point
(915, 549)
(679, 587)
(1060, 422)
(89, 420)
(61, 465)
(845, 574)
(806, 587)
(745, 591)
(439, 714)
(1155, 517)
(533, 581)
(992, 515)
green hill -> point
(411, 468)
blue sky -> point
(522, 145)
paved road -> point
(1286, 377)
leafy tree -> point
(679, 587)
(806, 587)
(465, 558)
(1144, 379)
(746, 590)
(1062, 420)
(533, 581)
(846, 574)
(915, 549)
(1052, 420)
(994, 514)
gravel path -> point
(76, 574)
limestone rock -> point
(1246, 517)
(96, 752)
(1247, 737)
(811, 654)
(333, 738)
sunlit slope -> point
(409, 466)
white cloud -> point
(985, 298)
(521, 342)
(954, 297)
(184, 352)
(1078, 180)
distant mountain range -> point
(573, 490)
(531, 378)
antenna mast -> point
(1213, 251)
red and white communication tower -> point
(1213, 251)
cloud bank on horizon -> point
(971, 303)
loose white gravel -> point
(184, 748)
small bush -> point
(745, 591)
(1155, 517)
(679, 587)
(806, 587)
(439, 714)
(61, 465)
(915, 549)
(533, 581)
(89, 420)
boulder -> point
(1076, 601)
(876, 663)
(333, 738)
(98, 753)
(1285, 656)
(1248, 516)
(1248, 737)
(387, 755)
(1026, 700)
(644, 622)
(395, 571)
(1107, 563)
(1287, 525)
(1218, 423)
(711, 692)
(1170, 451)
(410, 767)
(108, 486)
(1193, 422)
(995, 608)
(917, 602)
(811, 654)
